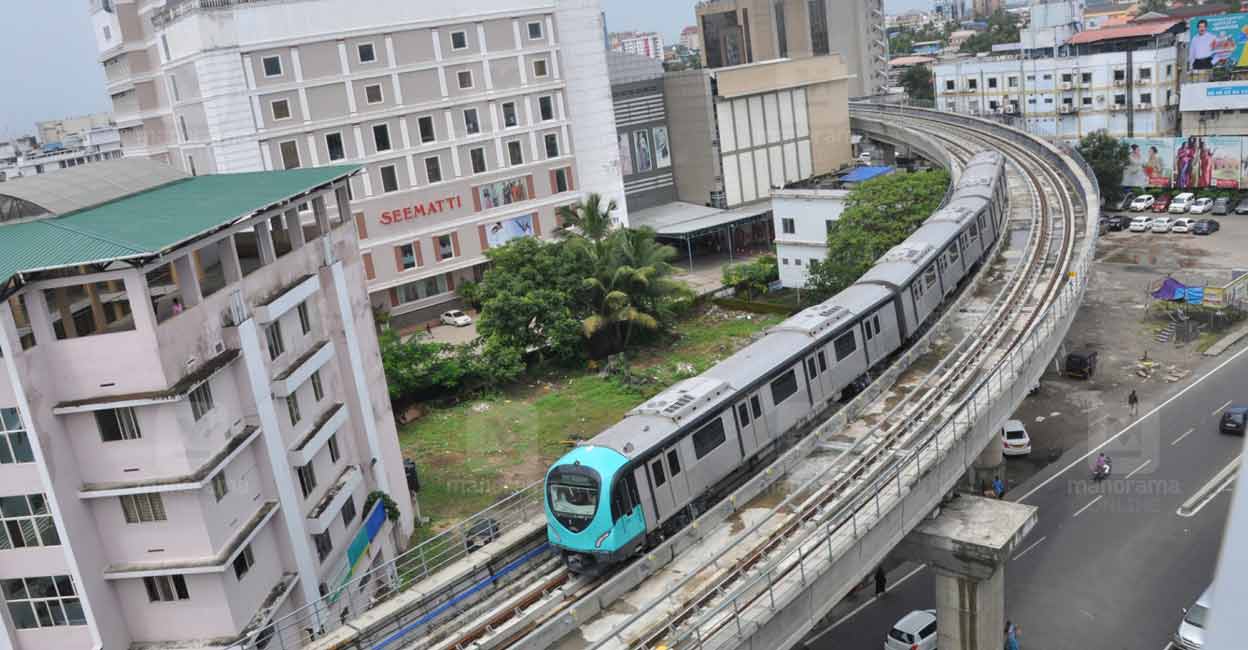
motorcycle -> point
(1101, 472)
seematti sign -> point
(425, 208)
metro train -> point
(648, 475)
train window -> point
(916, 290)
(875, 320)
(929, 277)
(974, 230)
(783, 388)
(810, 368)
(743, 414)
(845, 346)
(656, 468)
(673, 462)
(866, 329)
(823, 363)
(709, 437)
(622, 503)
(634, 496)
(757, 406)
(953, 253)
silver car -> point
(1191, 633)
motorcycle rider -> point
(1102, 465)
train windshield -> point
(573, 496)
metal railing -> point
(368, 590)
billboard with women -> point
(1207, 161)
(1149, 162)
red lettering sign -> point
(409, 212)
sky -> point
(51, 71)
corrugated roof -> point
(1151, 28)
(150, 222)
(86, 186)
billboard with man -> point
(1217, 41)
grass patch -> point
(1207, 339)
(474, 453)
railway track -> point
(1043, 270)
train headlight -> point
(601, 538)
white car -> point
(1014, 439)
(457, 318)
(1191, 633)
(1142, 203)
(1161, 224)
(1182, 225)
(1140, 224)
(1181, 203)
(915, 631)
(1201, 205)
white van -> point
(1182, 203)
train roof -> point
(664, 414)
(959, 210)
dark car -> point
(1161, 203)
(1119, 222)
(1233, 420)
(1081, 364)
(1205, 227)
(1221, 205)
(1122, 203)
(1242, 206)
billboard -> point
(501, 232)
(1217, 41)
(1207, 161)
(1149, 162)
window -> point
(333, 144)
(333, 449)
(25, 521)
(546, 107)
(539, 68)
(290, 154)
(788, 226)
(1067, 78)
(561, 180)
(425, 126)
(186, 134)
(201, 401)
(535, 31)
(1048, 77)
(756, 406)
(992, 82)
(389, 179)
(108, 33)
(472, 125)
(552, 145)
(166, 588)
(1146, 74)
(14, 445)
(673, 462)
(407, 256)
(1146, 98)
(142, 508)
(348, 511)
(220, 487)
(1085, 78)
(1120, 75)
(446, 247)
(173, 88)
(117, 424)
(1169, 70)
(464, 79)
(307, 479)
(929, 277)
(509, 115)
(811, 371)
(1031, 77)
(373, 94)
(708, 438)
(459, 40)
(318, 389)
(366, 52)
(1012, 82)
(845, 346)
(823, 361)
(478, 160)
(783, 387)
(515, 153)
(1087, 101)
(242, 563)
(827, 224)
(743, 413)
(272, 66)
(972, 84)
(433, 169)
(273, 336)
(381, 137)
(797, 261)
(324, 545)
(44, 601)
(292, 409)
(279, 108)
(305, 320)
(1120, 100)
(950, 84)
(656, 468)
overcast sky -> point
(50, 68)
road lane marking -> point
(1142, 465)
(1114, 437)
(1219, 409)
(1177, 440)
(1033, 545)
(1208, 491)
(1090, 504)
(814, 636)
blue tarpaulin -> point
(1170, 289)
(1195, 295)
(860, 174)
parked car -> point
(1182, 225)
(1142, 203)
(1242, 206)
(1162, 203)
(1081, 364)
(1180, 203)
(1233, 420)
(1221, 205)
(915, 631)
(1014, 439)
(1142, 224)
(1191, 632)
(1201, 206)
(1205, 227)
(457, 318)
(1161, 224)
(1118, 222)
(1122, 203)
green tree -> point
(1002, 28)
(590, 218)
(1107, 156)
(421, 368)
(901, 44)
(917, 80)
(752, 278)
(630, 288)
(879, 214)
(1147, 6)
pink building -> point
(193, 416)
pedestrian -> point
(177, 306)
(1011, 636)
(1133, 402)
(998, 487)
(881, 581)
(428, 327)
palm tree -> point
(614, 309)
(630, 287)
(591, 218)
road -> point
(1107, 566)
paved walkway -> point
(1227, 341)
(708, 270)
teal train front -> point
(591, 516)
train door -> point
(677, 478)
(870, 330)
(812, 377)
(762, 431)
(746, 424)
(641, 476)
(663, 497)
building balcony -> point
(217, 563)
(195, 480)
(330, 504)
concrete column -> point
(66, 314)
(321, 214)
(230, 265)
(987, 466)
(188, 281)
(344, 204)
(294, 229)
(264, 242)
(966, 544)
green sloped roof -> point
(150, 222)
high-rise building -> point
(647, 44)
(690, 38)
(57, 130)
(747, 31)
(473, 121)
(194, 426)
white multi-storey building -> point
(474, 120)
(72, 149)
(690, 38)
(647, 44)
(802, 219)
